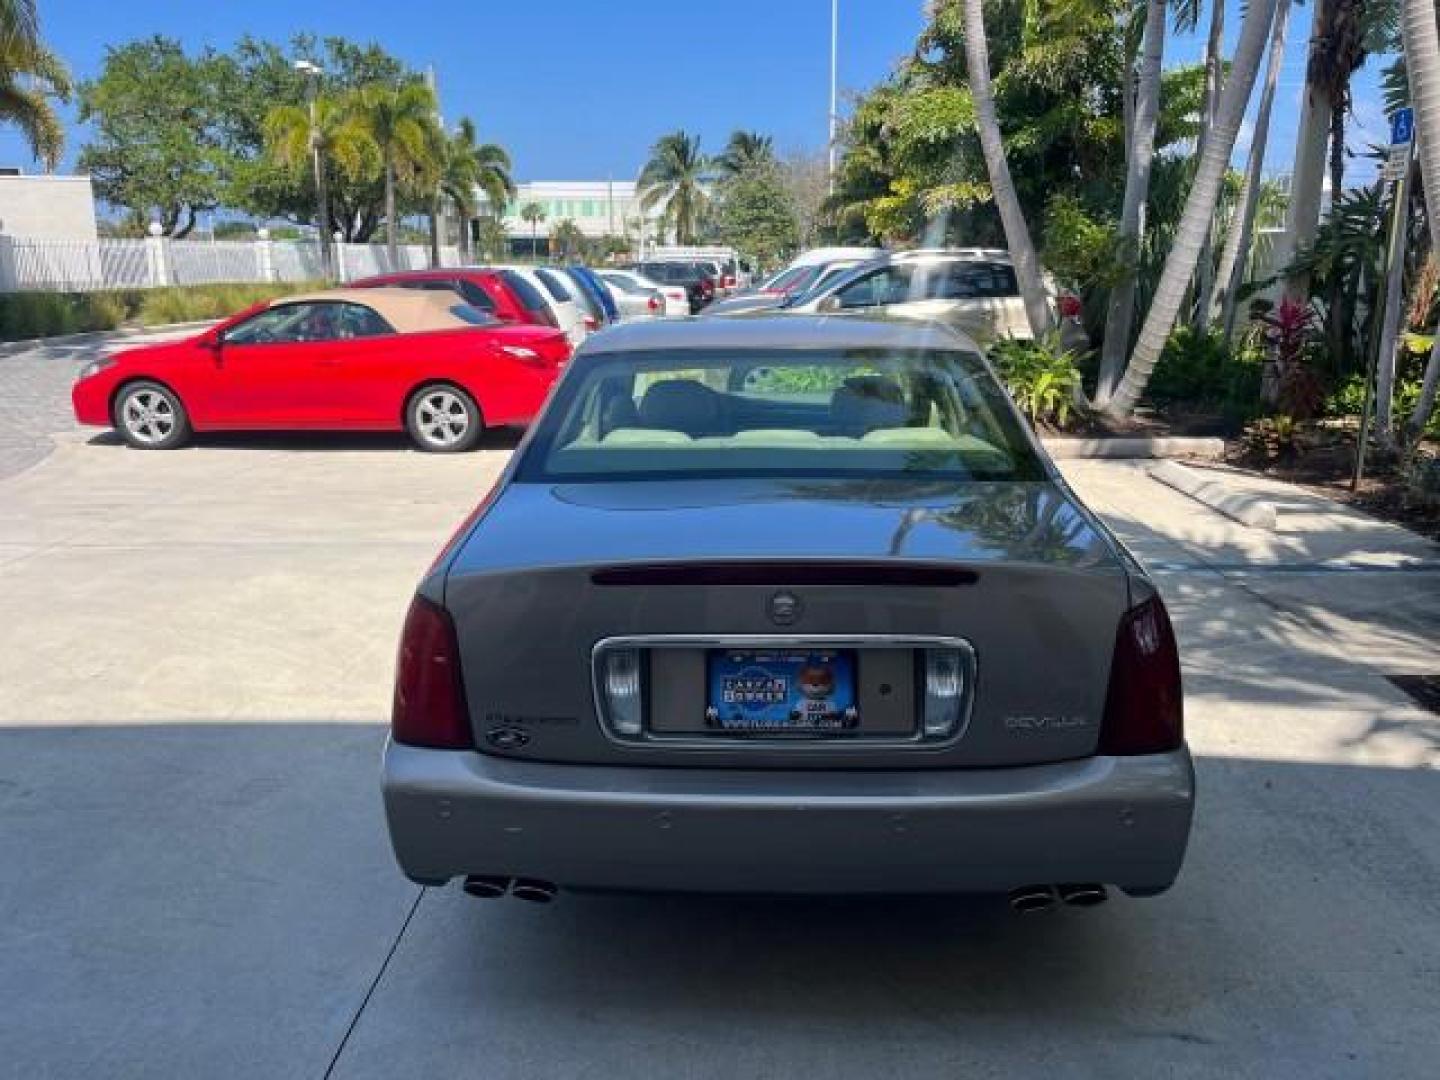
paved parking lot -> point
(195, 657)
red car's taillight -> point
(1144, 707)
(429, 708)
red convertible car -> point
(347, 359)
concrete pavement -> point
(195, 662)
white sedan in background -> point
(677, 304)
(634, 301)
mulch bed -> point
(1321, 458)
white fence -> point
(92, 265)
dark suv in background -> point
(695, 278)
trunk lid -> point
(1041, 590)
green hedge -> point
(47, 314)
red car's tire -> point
(150, 416)
(443, 419)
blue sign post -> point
(1387, 314)
(1402, 127)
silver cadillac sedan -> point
(790, 605)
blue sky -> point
(579, 90)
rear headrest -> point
(867, 402)
(681, 405)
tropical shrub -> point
(1289, 334)
(1041, 376)
(48, 314)
(1206, 371)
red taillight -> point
(591, 323)
(429, 708)
(1144, 708)
(1069, 306)
(654, 303)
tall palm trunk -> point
(1017, 233)
(1422, 63)
(1307, 178)
(1214, 79)
(1236, 255)
(1120, 316)
(392, 248)
(1199, 207)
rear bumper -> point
(1120, 821)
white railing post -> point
(339, 249)
(158, 264)
(264, 257)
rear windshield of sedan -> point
(716, 413)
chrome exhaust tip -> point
(1083, 895)
(537, 892)
(485, 887)
(1030, 898)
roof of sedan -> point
(775, 332)
(410, 311)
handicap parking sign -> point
(1402, 127)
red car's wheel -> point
(443, 419)
(149, 416)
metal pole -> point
(1383, 313)
(322, 227)
(834, 56)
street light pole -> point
(312, 72)
(834, 55)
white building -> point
(47, 208)
(597, 207)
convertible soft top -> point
(409, 311)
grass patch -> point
(49, 314)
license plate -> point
(781, 692)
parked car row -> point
(492, 339)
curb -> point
(1248, 510)
(1142, 447)
(8, 348)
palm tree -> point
(534, 213)
(1199, 209)
(1017, 233)
(1235, 256)
(674, 178)
(1337, 49)
(1120, 316)
(467, 166)
(31, 79)
(746, 150)
(298, 138)
(1422, 66)
(491, 237)
(566, 239)
(400, 120)
(1214, 78)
